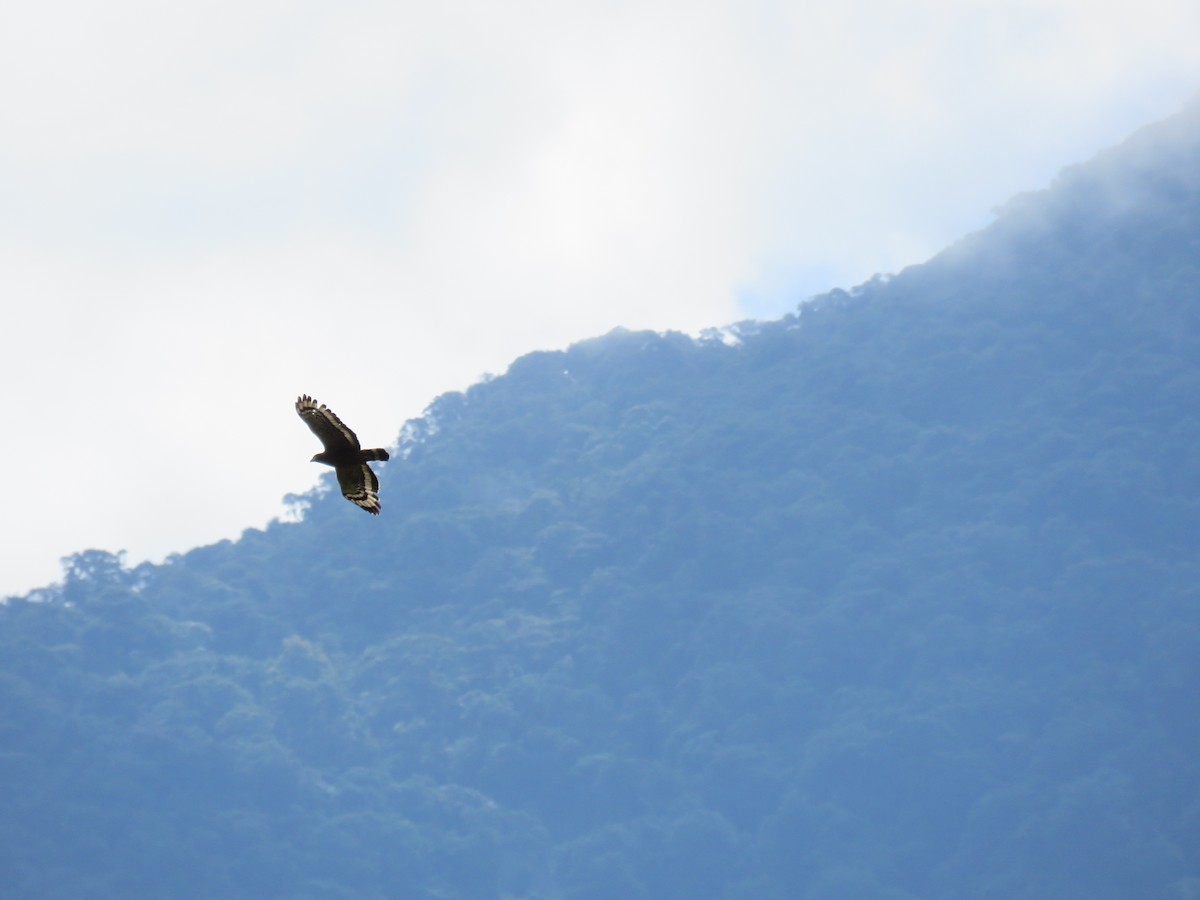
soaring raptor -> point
(342, 451)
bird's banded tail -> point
(377, 454)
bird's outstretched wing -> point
(333, 433)
(360, 486)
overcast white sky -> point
(209, 208)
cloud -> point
(206, 210)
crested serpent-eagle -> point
(342, 451)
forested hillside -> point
(896, 597)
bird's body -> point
(343, 452)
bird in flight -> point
(342, 451)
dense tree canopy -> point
(896, 597)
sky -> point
(208, 209)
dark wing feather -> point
(334, 434)
(360, 486)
